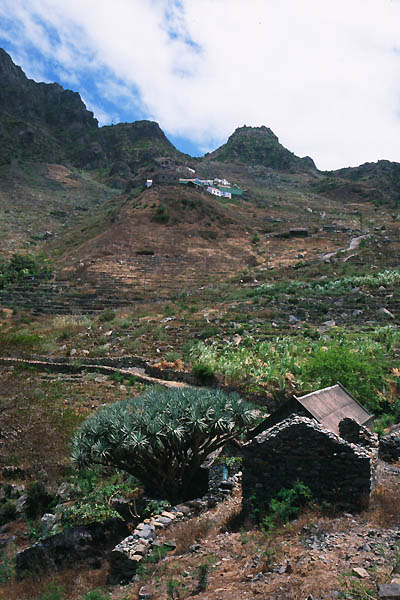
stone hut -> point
(299, 448)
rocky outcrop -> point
(88, 543)
(260, 146)
(46, 123)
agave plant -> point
(163, 436)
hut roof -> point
(332, 404)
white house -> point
(215, 191)
(149, 183)
(209, 182)
(222, 181)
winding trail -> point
(354, 243)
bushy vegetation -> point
(94, 492)
(23, 266)
(163, 436)
(38, 500)
(286, 506)
(17, 340)
(329, 287)
(364, 364)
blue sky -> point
(324, 76)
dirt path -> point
(137, 372)
(354, 243)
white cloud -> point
(322, 75)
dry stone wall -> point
(127, 555)
(299, 448)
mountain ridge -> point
(47, 123)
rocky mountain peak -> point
(9, 72)
(254, 131)
(260, 146)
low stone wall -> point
(124, 362)
(301, 449)
(80, 365)
(127, 555)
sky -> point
(323, 75)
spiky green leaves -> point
(163, 436)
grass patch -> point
(364, 364)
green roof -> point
(233, 189)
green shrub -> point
(255, 238)
(94, 505)
(202, 570)
(38, 500)
(352, 367)
(117, 376)
(155, 507)
(203, 371)
(286, 506)
(53, 592)
(382, 423)
(96, 595)
(84, 513)
(107, 315)
(22, 266)
(7, 512)
(174, 589)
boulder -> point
(21, 504)
(389, 447)
(65, 492)
(389, 591)
(48, 523)
(90, 542)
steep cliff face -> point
(260, 146)
(39, 121)
(45, 122)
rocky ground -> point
(317, 556)
(218, 556)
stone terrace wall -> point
(301, 449)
